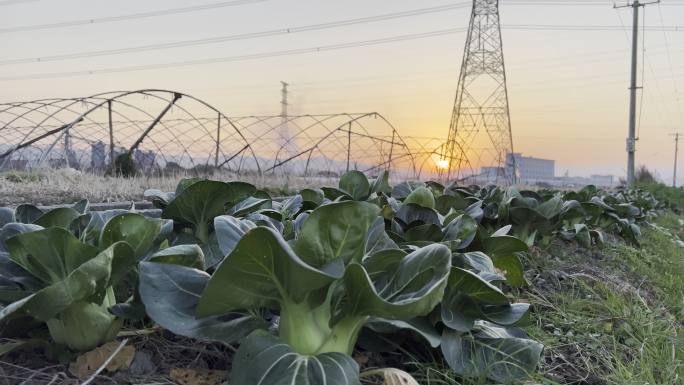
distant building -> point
(98, 155)
(15, 164)
(57, 162)
(602, 180)
(145, 159)
(73, 160)
(56, 159)
(530, 169)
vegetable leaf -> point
(409, 289)
(171, 294)
(262, 271)
(335, 231)
(263, 359)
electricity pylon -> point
(284, 129)
(480, 130)
(288, 145)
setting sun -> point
(442, 164)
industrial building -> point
(530, 169)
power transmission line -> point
(242, 36)
(141, 15)
(643, 73)
(662, 105)
(316, 27)
(566, 3)
(332, 47)
(16, 2)
(669, 60)
(551, 27)
(239, 57)
(559, 3)
(525, 67)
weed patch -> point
(612, 316)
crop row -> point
(296, 282)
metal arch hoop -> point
(188, 136)
(103, 99)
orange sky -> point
(568, 89)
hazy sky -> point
(568, 89)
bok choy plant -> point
(51, 276)
(64, 275)
(297, 307)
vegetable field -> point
(363, 282)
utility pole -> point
(631, 138)
(674, 173)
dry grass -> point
(65, 186)
(46, 187)
(156, 355)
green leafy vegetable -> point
(75, 285)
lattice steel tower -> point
(480, 131)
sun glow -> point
(442, 164)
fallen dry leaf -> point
(398, 377)
(391, 376)
(87, 363)
(198, 376)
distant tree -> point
(327, 174)
(124, 166)
(645, 176)
(173, 168)
(203, 170)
